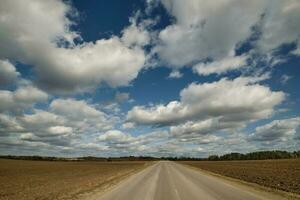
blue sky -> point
(149, 77)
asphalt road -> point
(171, 181)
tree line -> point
(258, 155)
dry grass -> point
(41, 180)
(279, 174)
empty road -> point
(171, 181)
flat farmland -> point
(42, 180)
(278, 174)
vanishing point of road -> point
(172, 181)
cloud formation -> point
(175, 74)
(204, 34)
(276, 130)
(237, 100)
(222, 66)
(64, 123)
(118, 140)
(48, 73)
(206, 29)
(23, 97)
(62, 65)
(8, 73)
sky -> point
(149, 77)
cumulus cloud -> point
(222, 66)
(60, 130)
(8, 72)
(175, 74)
(83, 67)
(136, 35)
(207, 30)
(203, 127)
(280, 24)
(116, 139)
(62, 66)
(241, 99)
(12, 145)
(276, 130)
(202, 35)
(116, 136)
(60, 140)
(198, 139)
(23, 97)
(128, 125)
(64, 123)
(9, 124)
(40, 120)
(79, 112)
(45, 127)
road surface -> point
(172, 181)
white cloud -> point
(87, 65)
(116, 136)
(212, 30)
(8, 72)
(27, 136)
(280, 24)
(64, 123)
(175, 74)
(128, 125)
(86, 116)
(207, 139)
(26, 23)
(206, 29)
(23, 97)
(29, 94)
(203, 35)
(116, 139)
(48, 128)
(276, 130)
(135, 34)
(60, 130)
(297, 50)
(241, 99)
(93, 147)
(75, 109)
(9, 124)
(190, 127)
(221, 66)
(41, 120)
(203, 127)
(38, 33)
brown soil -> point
(279, 174)
(43, 180)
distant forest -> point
(259, 155)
